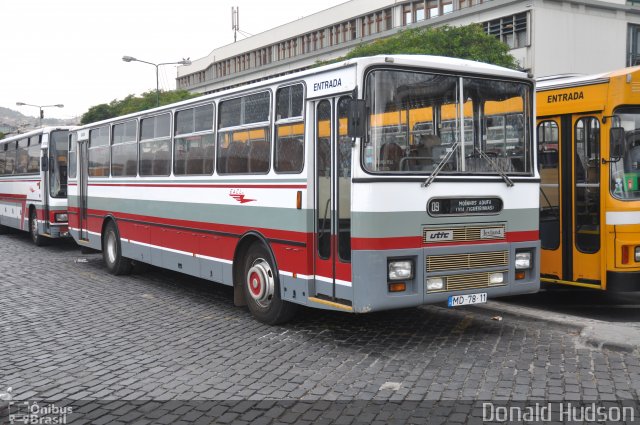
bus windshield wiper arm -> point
(493, 165)
(441, 164)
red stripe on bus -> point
(186, 225)
(412, 242)
(12, 196)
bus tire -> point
(36, 237)
(112, 251)
(262, 287)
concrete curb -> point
(623, 337)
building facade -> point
(546, 37)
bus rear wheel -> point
(36, 237)
(262, 288)
(112, 251)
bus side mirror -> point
(616, 142)
(44, 161)
(357, 114)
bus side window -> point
(289, 135)
(99, 152)
(243, 149)
(155, 146)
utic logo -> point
(239, 196)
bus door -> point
(586, 200)
(569, 161)
(332, 241)
(83, 175)
(45, 165)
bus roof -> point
(436, 63)
(40, 130)
(576, 80)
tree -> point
(464, 42)
(132, 104)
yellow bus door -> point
(586, 200)
(549, 157)
(569, 161)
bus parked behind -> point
(589, 158)
(33, 183)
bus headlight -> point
(496, 278)
(61, 218)
(400, 270)
(435, 283)
(523, 260)
(638, 254)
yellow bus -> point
(589, 160)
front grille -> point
(463, 233)
(461, 282)
(475, 260)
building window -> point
(432, 8)
(419, 12)
(407, 14)
(447, 6)
(633, 48)
(511, 30)
(388, 19)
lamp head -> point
(128, 58)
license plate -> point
(457, 300)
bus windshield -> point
(625, 173)
(58, 149)
(416, 118)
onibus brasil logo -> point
(27, 412)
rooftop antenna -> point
(235, 21)
(235, 24)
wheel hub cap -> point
(260, 282)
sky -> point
(70, 51)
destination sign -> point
(464, 206)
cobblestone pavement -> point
(152, 346)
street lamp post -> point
(157, 65)
(59, 105)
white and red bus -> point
(33, 183)
(364, 185)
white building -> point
(546, 36)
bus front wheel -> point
(262, 288)
(112, 251)
(36, 237)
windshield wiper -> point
(483, 155)
(493, 165)
(441, 164)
